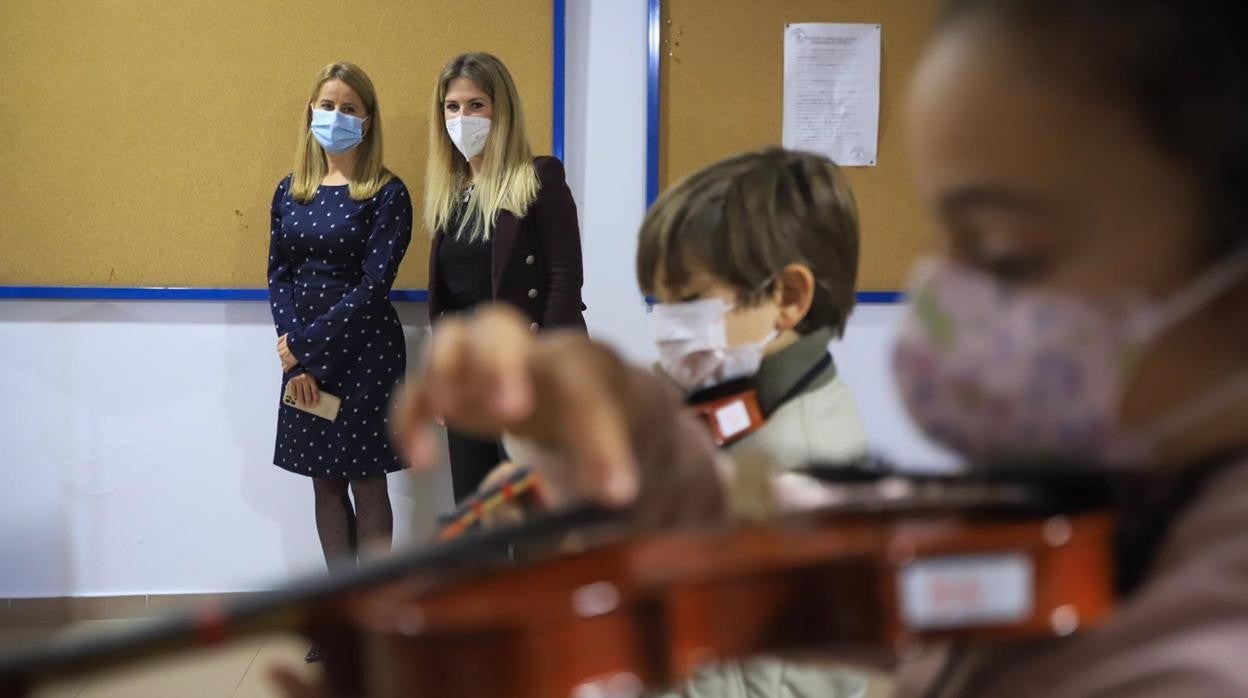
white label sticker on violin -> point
(966, 590)
(732, 419)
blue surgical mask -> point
(335, 131)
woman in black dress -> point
(504, 222)
(340, 226)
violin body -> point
(648, 612)
(904, 561)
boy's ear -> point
(794, 291)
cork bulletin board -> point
(721, 89)
(143, 139)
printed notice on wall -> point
(832, 91)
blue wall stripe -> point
(415, 295)
(654, 47)
(864, 297)
(156, 293)
(174, 293)
(558, 83)
(163, 293)
(880, 297)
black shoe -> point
(313, 655)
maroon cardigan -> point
(536, 262)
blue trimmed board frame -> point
(174, 293)
(162, 293)
(654, 52)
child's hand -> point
(619, 430)
(490, 374)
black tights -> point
(349, 531)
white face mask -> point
(693, 345)
(469, 134)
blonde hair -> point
(507, 181)
(370, 174)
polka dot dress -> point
(332, 262)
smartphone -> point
(326, 408)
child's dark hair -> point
(1181, 66)
(744, 219)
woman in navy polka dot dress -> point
(341, 224)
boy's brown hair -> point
(744, 219)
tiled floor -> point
(238, 670)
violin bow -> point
(292, 606)
(517, 487)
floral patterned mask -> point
(998, 372)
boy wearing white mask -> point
(754, 261)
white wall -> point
(136, 438)
(606, 154)
(137, 452)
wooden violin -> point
(907, 561)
